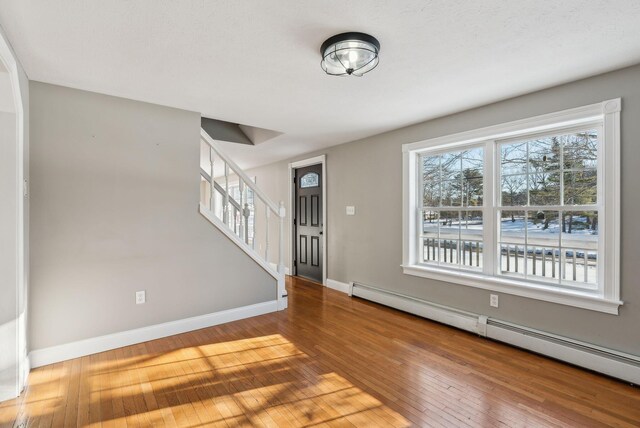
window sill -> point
(517, 288)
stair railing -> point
(231, 200)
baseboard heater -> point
(610, 362)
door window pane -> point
(310, 179)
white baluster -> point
(266, 228)
(255, 220)
(241, 219)
(246, 212)
(281, 243)
(212, 187)
(225, 215)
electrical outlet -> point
(493, 300)
(350, 210)
(141, 297)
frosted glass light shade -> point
(350, 54)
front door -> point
(308, 222)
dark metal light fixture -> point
(352, 54)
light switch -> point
(351, 210)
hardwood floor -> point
(329, 360)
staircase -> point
(233, 203)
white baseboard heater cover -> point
(610, 362)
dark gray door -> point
(308, 222)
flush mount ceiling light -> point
(352, 54)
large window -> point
(528, 208)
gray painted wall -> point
(114, 194)
(368, 246)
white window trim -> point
(606, 112)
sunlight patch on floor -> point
(258, 381)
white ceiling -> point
(257, 62)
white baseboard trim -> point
(453, 317)
(603, 360)
(581, 354)
(67, 351)
(339, 286)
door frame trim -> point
(316, 160)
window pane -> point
(471, 229)
(544, 188)
(513, 158)
(430, 250)
(512, 226)
(543, 244)
(543, 228)
(544, 154)
(451, 164)
(473, 160)
(580, 246)
(449, 225)
(512, 258)
(580, 150)
(431, 167)
(430, 223)
(472, 178)
(431, 181)
(514, 190)
(472, 190)
(452, 193)
(449, 236)
(580, 187)
(543, 263)
(580, 225)
(431, 193)
(448, 251)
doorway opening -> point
(308, 219)
(13, 358)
